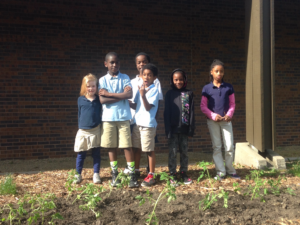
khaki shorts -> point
(116, 134)
(143, 138)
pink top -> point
(211, 115)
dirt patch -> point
(122, 207)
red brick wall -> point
(47, 47)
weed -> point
(70, 182)
(295, 169)
(255, 190)
(290, 191)
(275, 185)
(168, 192)
(236, 187)
(211, 197)
(8, 186)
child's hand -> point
(227, 118)
(103, 92)
(218, 118)
(142, 90)
(127, 88)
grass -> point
(8, 186)
(294, 168)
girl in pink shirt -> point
(218, 104)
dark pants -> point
(81, 157)
(178, 141)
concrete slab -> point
(275, 159)
(245, 155)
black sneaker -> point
(185, 178)
(115, 182)
(133, 181)
(137, 174)
(173, 180)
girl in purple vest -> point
(218, 104)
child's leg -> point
(215, 134)
(109, 141)
(172, 144)
(79, 161)
(183, 149)
(136, 145)
(137, 157)
(152, 161)
(226, 128)
(97, 159)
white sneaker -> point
(78, 179)
(126, 171)
(96, 178)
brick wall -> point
(48, 46)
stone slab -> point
(277, 160)
(245, 155)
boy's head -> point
(149, 74)
(178, 79)
(216, 71)
(141, 59)
(112, 63)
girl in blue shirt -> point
(89, 121)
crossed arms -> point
(108, 98)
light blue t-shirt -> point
(118, 111)
(143, 117)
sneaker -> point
(96, 178)
(148, 181)
(126, 170)
(219, 177)
(185, 178)
(77, 179)
(173, 179)
(234, 176)
(115, 182)
(137, 174)
(133, 181)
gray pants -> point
(181, 141)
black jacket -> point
(173, 111)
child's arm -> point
(231, 109)
(167, 116)
(105, 99)
(211, 115)
(192, 117)
(143, 95)
(118, 96)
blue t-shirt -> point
(218, 98)
(118, 111)
(143, 117)
(89, 113)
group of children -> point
(122, 115)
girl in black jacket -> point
(179, 123)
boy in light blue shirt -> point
(144, 130)
(114, 92)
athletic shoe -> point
(115, 182)
(148, 181)
(234, 176)
(126, 170)
(133, 182)
(96, 178)
(137, 174)
(77, 179)
(219, 177)
(173, 180)
(185, 178)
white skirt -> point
(87, 139)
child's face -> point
(91, 88)
(140, 62)
(218, 73)
(178, 80)
(148, 77)
(112, 64)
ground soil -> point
(121, 207)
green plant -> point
(255, 190)
(8, 186)
(39, 205)
(15, 213)
(236, 187)
(275, 185)
(295, 169)
(124, 178)
(168, 192)
(55, 216)
(290, 191)
(70, 182)
(211, 197)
